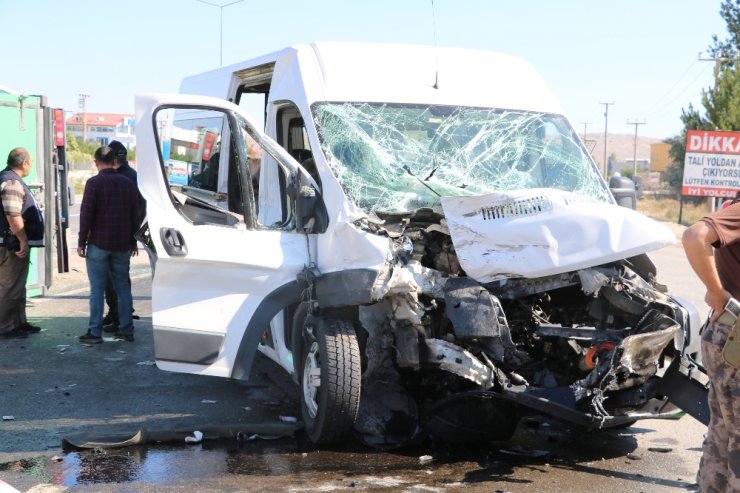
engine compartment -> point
(435, 340)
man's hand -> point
(134, 251)
(81, 252)
(716, 302)
(23, 252)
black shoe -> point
(110, 329)
(29, 328)
(88, 338)
(123, 337)
(17, 333)
(110, 318)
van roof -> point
(394, 73)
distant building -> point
(103, 128)
(660, 158)
(643, 165)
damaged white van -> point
(416, 235)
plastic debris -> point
(8, 418)
(146, 363)
(247, 408)
(288, 419)
(208, 401)
(57, 458)
(425, 459)
(196, 438)
(113, 359)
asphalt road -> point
(55, 388)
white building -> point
(103, 128)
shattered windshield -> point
(398, 158)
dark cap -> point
(119, 150)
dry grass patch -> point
(667, 210)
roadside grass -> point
(668, 209)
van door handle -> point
(173, 242)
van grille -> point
(516, 208)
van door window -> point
(292, 135)
(195, 146)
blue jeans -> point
(99, 262)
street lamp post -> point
(221, 31)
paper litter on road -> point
(196, 438)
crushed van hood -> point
(541, 232)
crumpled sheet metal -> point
(461, 362)
(641, 352)
(574, 233)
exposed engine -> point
(438, 340)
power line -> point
(667, 107)
(658, 102)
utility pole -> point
(634, 151)
(585, 124)
(606, 122)
(717, 64)
(83, 105)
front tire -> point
(330, 380)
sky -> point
(642, 56)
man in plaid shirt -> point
(108, 221)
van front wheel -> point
(330, 380)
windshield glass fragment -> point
(398, 158)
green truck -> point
(27, 121)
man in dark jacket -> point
(120, 155)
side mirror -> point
(310, 211)
(624, 191)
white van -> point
(416, 235)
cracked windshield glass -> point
(397, 158)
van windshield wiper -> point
(408, 170)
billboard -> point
(712, 164)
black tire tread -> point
(341, 376)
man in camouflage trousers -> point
(712, 247)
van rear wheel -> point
(330, 380)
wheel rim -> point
(312, 379)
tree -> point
(721, 103)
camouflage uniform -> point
(719, 470)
